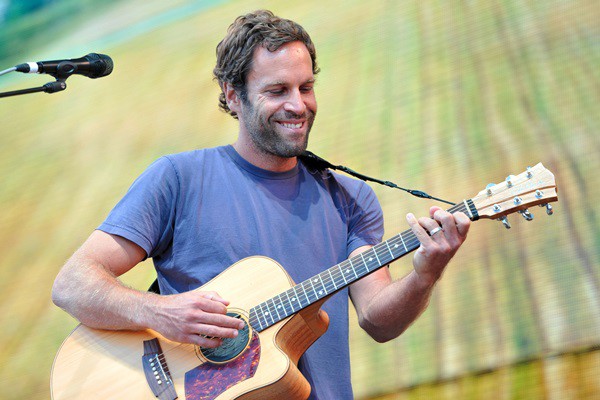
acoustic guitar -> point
(282, 319)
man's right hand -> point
(195, 317)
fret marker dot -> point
(279, 306)
(347, 271)
(370, 258)
(320, 292)
(267, 313)
(396, 245)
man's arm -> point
(87, 288)
(386, 308)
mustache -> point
(292, 115)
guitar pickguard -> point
(209, 380)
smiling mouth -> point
(291, 126)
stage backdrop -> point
(442, 96)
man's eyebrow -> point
(283, 83)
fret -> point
(289, 302)
(384, 256)
(266, 314)
(323, 285)
(252, 318)
(296, 298)
(318, 293)
(359, 266)
(271, 309)
(353, 269)
(389, 249)
(304, 290)
(375, 252)
(276, 310)
(404, 244)
(332, 280)
(258, 320)
(371, 260)
(283, 308)
(342, 273)
(311, 290)
(364, 262)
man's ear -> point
(232, 97)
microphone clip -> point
(51, 87)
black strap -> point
(313, 161)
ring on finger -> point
(435, 230)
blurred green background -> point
(443, 96)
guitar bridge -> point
(157, 372)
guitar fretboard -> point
(339, 276)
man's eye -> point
(276, 91)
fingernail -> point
(410, 217)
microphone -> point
(93, 66)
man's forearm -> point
(396, 307)
(97, 298)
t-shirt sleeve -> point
(366, 221)
(145, 215)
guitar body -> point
(99, 364)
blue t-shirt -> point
(196, 213)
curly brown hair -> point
(235, 51)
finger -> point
(220, 320)
(432, 227)
(214, 296)
(433, 209)
(212, 331)
(463, 223)
(203, 341)
(446, 221)
(417, 229)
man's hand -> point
(440, 236)
(195, 317)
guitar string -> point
(409, 244)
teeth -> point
(291, 126)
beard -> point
(265, 135)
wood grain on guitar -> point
(283, 320)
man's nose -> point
(295, 103)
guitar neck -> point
(339, 276)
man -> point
(198, 212)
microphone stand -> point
(51, 87)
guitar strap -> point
(312, 160)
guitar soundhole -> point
(231, 348)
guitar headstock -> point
(535, 186)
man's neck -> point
(264, 160)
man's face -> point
(280, 107)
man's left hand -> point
(440, 236)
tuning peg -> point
(509, 180)
(526, 214)
(529, 173)
(505, 222)
(549, 209)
